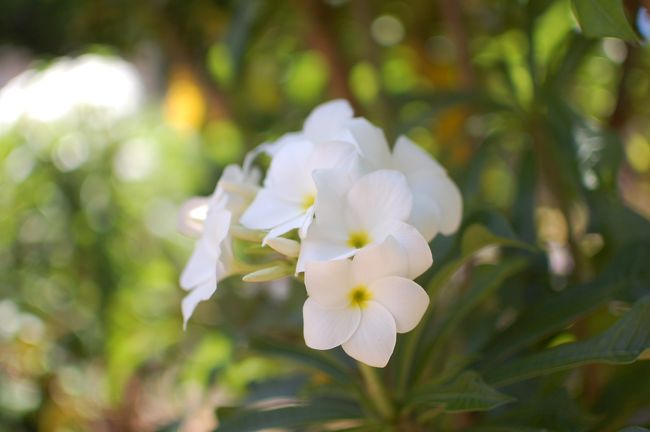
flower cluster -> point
(339, 206)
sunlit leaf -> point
(603, 18)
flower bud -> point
(285, 246)
(268, 274)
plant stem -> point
(377, 391)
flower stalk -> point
(377, 392)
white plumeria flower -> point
(210, 218)
(353, 214)
(437, 202)
(287, 200)
(362, 303)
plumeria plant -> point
(353, 219)
(343, 212)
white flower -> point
(362, 303)
(437, 202)
(286, 201)
(353, 214)
(210, 218)
(325, 123)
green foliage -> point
(623, 343)
(602, 18)
(467, 392)
(539, 314)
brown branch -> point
(453, 18)
(322, 38)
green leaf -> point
(467, 392)
(634, 429)
(317, 411)
(603, 18)
(475, 238)
(485, 281)
(311, 358)
(622, 278)
(622, 343)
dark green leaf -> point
(622, 343)
(467, 392)
(312, 413)
(475, 238)
(314, 359)
(624, 275)
(603, 18)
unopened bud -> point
(285, 246)
(268, 274)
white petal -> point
(378, 261)
(374, 341)
(415, 248)
(403, 298)
(332, 154)
(288, 175)
(201, 293)
(323, 243)
(446, 194)
(192, 215)
(408, 157)
(376, 200)
(269, 210)
(201, 267)
(371, 142)
(425, 216)
(327, 119)
(284, 228)
(331, 187)
(329, 282)
(306, 223)
(215, 230)
(326, 328)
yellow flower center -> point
(308, 201)
(358, 239)
(360, 296)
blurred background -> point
(113, 112)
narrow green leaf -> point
(467, 392)
(625, 273)
(485, 281)
(475, 238)
(317, 411)
(603, 18)
(622, 343)
(634, 429)
(314, 359)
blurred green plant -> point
(539, 316)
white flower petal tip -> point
(269, 273)
(287, 247)
(374, 340)
(327, 119)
